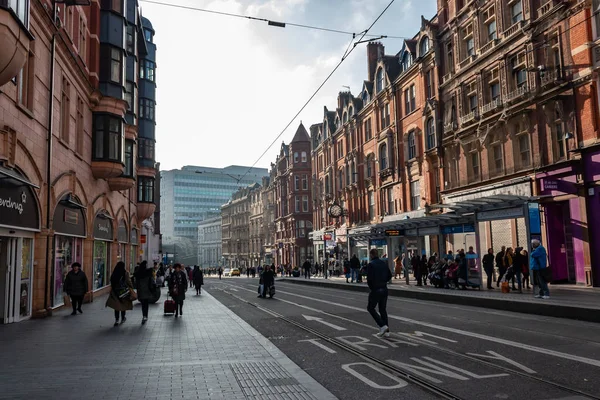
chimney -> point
(374, 53)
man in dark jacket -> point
(306, 266)
(488, 266)
(76, 286)
(354, 267)
(500, 265)
(267, 280)
(378, 276)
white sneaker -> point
(537, 296)
(382, 331)
(387, 333)
(545, 297)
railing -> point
(449, 127)
(464, 63)
(550, 76)
(488, 46)
(447, 77)
(492, 105)
(520, 91)
(469, 117)
(514, 28)
(543, 10)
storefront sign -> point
(122, 232)
(143, 239)
(503, 213)
(512, 188)
(18, 208)
(68, 220)
(434, 230)
(452, 229)
(393, 232)
(549, 184)
(378, 242)
(535, 224)
(103, 228)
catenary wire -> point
(346, 55)
(234, 15)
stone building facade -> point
(77, 183)
(210, 242)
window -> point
(407, 104)
(470, 46)
(114, 5)
(116, 65)
(494, 90)
(391, 205)
(297, 203)
(20, 8)
(340, 179)
(108, 138)
(347, 175)
(304, 203)
(296, 182)
(489, 19)
(300, 229)
(406, 60)
(340, 149)
(147, 109)
(596, 14)
(383, 164)
(560, 140)
(384, 115)
(475, 168)
(516, 12)
(430, 133)
(369, 167)
(148, 35)
(412, 148)
(130, 44)
(304, 182)
(413, 98)
(368, 129)
(365, 98)
(473, 102)
(468, 40)
(79, 133)
(25, 82)
(424, 48)
(65, 110)
(449, 58)
(296, 157)
(129, 95)
(327, 185)
(82, 40)
(498, 160)
(519, 71)
(491, 31)
(350, 112)
(436, 182)
(304, 157)
(145, 189)
(371, 205)
(524, 151)
(146, 149)
(380, 80)
(147, 70)
(345, 117)
(128, 158)
(415, 195)
(429, 84)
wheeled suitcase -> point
(169, 307)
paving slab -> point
(209, 353)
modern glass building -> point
(193, 194)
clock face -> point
(335, 210)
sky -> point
(226, 87)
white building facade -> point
(209, 242)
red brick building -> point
(293, 212)
(74, 147)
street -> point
(435, 349)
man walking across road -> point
(378, 276)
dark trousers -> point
(178, 307)
(76, 302)
(378, 297)
(144, 308)
(501, 273)
(117, 315)
(489, 272)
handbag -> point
(272, 290)
(132, 294)
(505, 287)
(123, 290)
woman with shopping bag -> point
(121, 294)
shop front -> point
(133, 249)
(566, 225)
(103, 237)
(592, 192)
(69, 233)
(122, 239)
(19, 220)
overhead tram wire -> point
(281, 24)
(346, 55)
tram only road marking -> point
(535, 349)
(319, 344)
(329, 324)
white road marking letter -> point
(400, 382)
(393, 342)
(429, 368)
(418, 336)
(362, 340)
(496, 356)
(319, 344)
(464, 371)
(329, 324)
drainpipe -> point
(49, 156)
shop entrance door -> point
(10, 279)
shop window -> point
(101, 264)
(80, 133)
(415, 195)
(383, 164)
(129, 163)
(430, 133)
(412, 146)
(108, 138)
(20, 8)
(65, 110)
(145, 189)
(67, 250)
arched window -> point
(295, 157)
(380, 80)
(304, 158)
(383, 164)
(365, 97)
(337, 122)
(424, 47)
(430, 133)
(412, 148)
(350, 112)
(345, 117)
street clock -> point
(335, 210)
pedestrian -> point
(500, 260)
(518, 260)
(450, 256)
(397, 267)
(220, 272)
(424, 269)
(346, 265)
(198, 278)
(378, 276)
(539, 266)
(177, 287)
(406, 267)
(190, 275)
(463, 270)
(76, 286)
(355, 268)
(414, 261)
(525, 268)
(121, 289)
(488, 266)
(145, 287)
(267, 279)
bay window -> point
(19, 7)
(128, 159)
(108, 138)
(145, 189)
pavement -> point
(566, 301)
(470, 352)
(209, 353)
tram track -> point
(418, 381)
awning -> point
(14, 178)
(488, 203)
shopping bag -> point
(505, 287)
